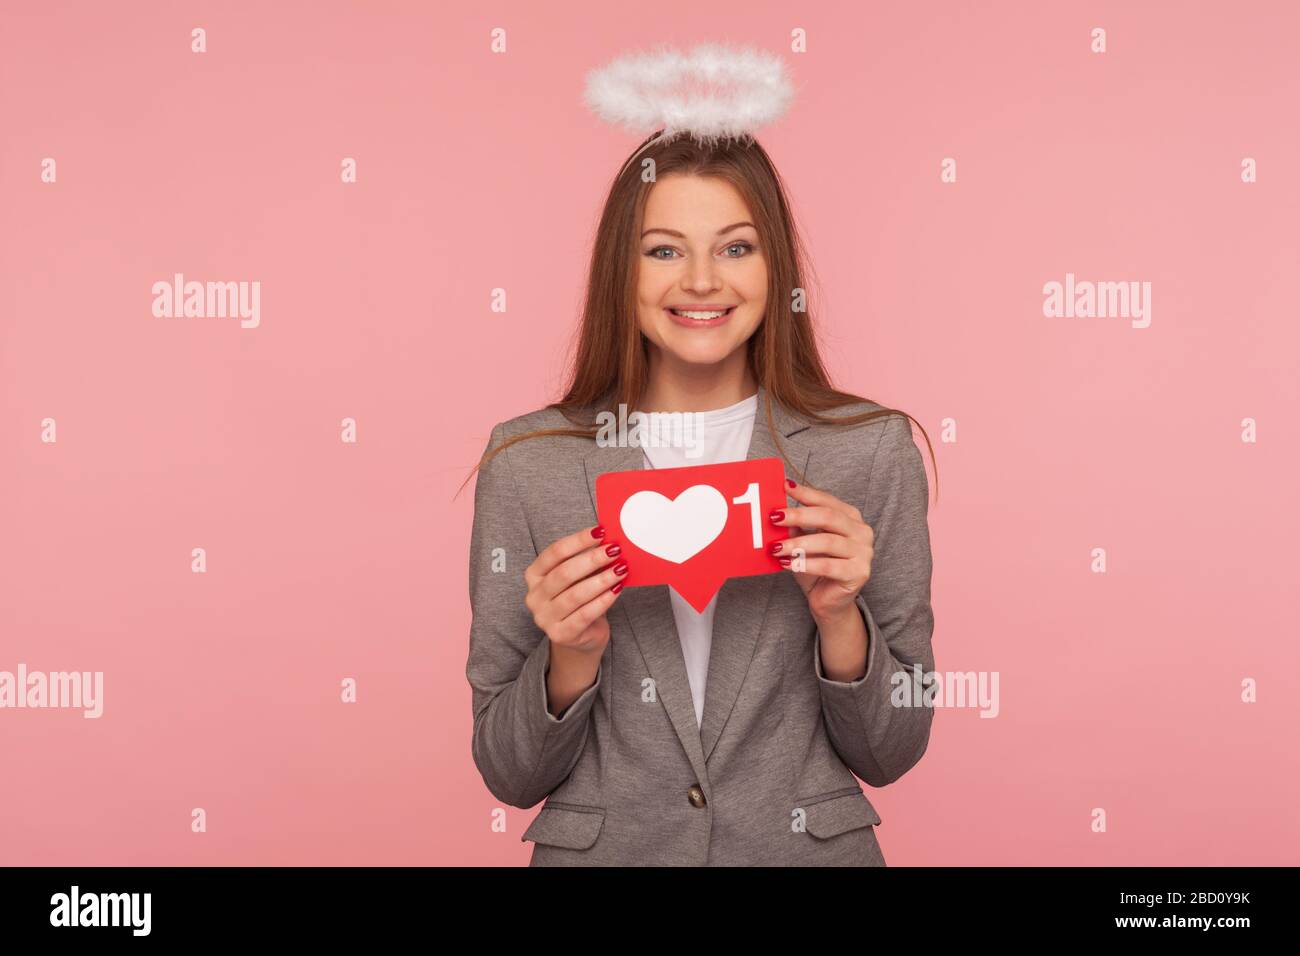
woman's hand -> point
(570, 587)
(833, 562)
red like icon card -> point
(692, 528)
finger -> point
(565, 548)
(832, 545)
(837, 569)
(583, 617)
(581, 565)
(587, 589)
(817, 517)
(808, 495)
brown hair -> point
(610, 363)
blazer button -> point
(696, 796)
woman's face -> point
(700, 255)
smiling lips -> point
(697, 317)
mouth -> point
(700, 318)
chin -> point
(699, 353)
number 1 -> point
(750, 497)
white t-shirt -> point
(721, 435)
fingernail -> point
(775, 548)
(613, 551)
(776, 516)
(617, 587)
(785, 562)
(790, 482)
(598, 532)
(620, 568)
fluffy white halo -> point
(736, 91)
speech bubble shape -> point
(692, 528)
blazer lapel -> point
(737, 620)
(742, 602)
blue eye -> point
(748, 247)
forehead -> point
(694, 203)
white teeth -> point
(702, 316)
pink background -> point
(478, 171)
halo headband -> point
(737, 91)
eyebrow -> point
(721, 232)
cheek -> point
(649, 295)
(745, 332)
(755, 305)
(752, 286)
(651, 320)
(654, 280)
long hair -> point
(610, 364)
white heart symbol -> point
(674, 530)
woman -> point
(657, 735)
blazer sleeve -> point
(876, 739)
(522, 751)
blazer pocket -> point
(566, 824)
(838, 812)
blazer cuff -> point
(877, 656)
(575, 713)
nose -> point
(702, 275)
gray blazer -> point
(627, 775)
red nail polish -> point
(598, 532)
(617, 587)
(785, 562)
(775, 548)
(790, 482)
(613, 551)
(776, 516)
(620, 568)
